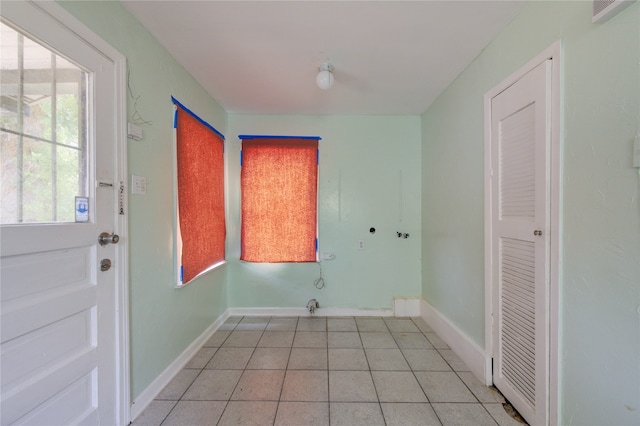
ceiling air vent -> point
(605, 9)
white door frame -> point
(123, 398)
(555, 166)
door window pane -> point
(43, 132)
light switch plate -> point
(138, 185)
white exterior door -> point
(520, 143)
(58, 308)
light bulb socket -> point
(325, 79)
(326, 67)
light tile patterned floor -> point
(325, 371)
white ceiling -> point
(390, 57)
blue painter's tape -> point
(191, 113)
(181, 273)
(318, 157)
(175, 119)
(316, 244)
(240, 158)
(244, 137)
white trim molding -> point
(476, 358)
(401, 307)
(302, 312)
(553, 52)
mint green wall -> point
(164, 320)
(600, 262)
(422, 176)
(369, 177)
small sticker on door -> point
(82, 209)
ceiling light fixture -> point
(324, 80)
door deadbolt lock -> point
(107, 238)
(105, 265)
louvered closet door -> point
(520, 139)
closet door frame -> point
(553, 52)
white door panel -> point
(48, 345)
(520, 141)
(66, 293)
(58, 309)
(77, 397)
(42, 238)
(30, 274)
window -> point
(43, 132)
(200, 174)
(279, 182)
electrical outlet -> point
(360, 244)
(138, 185)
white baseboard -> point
(321, 312)
(478, 361)
(147, 396)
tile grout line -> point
(226, 403)
(245, 367)
(180, 398)
(374, 382)
(286, 370)
(375, 388)
(192, 382)
(328, 387)
(414, 374)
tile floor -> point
(325, 371)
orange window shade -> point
(279, 200)
(200, 154)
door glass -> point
(43, 132)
